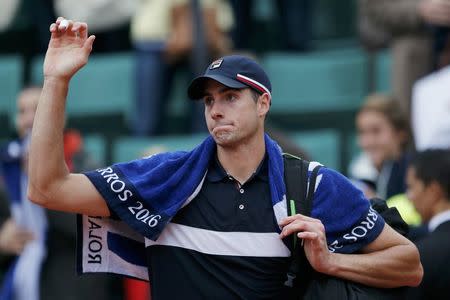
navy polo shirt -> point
(224, 244)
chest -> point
(227, 206)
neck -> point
(242, 161)
(441, 206)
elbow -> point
(416, 273)
(418, 278)
(37, 195)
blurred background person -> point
(41, 243)
(429, 189)
(109, 20)
(294, 17)
(167, 36)
(416, 31)
(430, 116)
(384, 136)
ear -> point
(263, 104)
(435, 190)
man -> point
(428, 182)
(40, 242)
(212, 217)
(407, 27)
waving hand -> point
(68, 50)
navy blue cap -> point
(234, 71)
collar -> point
(438, 219)
(217, 173)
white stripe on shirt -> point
(222, 243)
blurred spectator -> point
(431, 110)
(295, 18)
(165, 35)
(384, 136)
(23, 26)
(414, 31)
(41, 13)
(363, 174)
(7, 13)
(40, 243)
(429, 189)
(109, 20)
(383, 133)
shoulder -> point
(349, 220)
(335, 196)
(330, 182)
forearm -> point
(46, 160)
(392, 267)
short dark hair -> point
(433, 165)
(255, 94)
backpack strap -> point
(299, 200)
(296, 188)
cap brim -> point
(196, 89)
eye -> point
(231, 97)
(208, 100)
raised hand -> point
(68, 50)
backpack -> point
(312, 284)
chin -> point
(225, 139)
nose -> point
(216, 111)
(363, 141)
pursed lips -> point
(221, 126)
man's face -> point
(419, 194)
(377, 137)
(232, 115)
(26, 109)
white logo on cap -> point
(215, 64)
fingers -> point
(292, 218)
(65, 25)
(81, 29)
(88, 43)
(305, 227)
(77, 30)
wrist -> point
(56, 81)
(334, 265)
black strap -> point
(296, 187)
(296, 180)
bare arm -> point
(50, 183)
(389, 261)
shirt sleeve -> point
(124, 198)
(350, 222)
(146, 193)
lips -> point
(220, 127)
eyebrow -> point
(222, 91)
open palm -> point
(68, 50)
